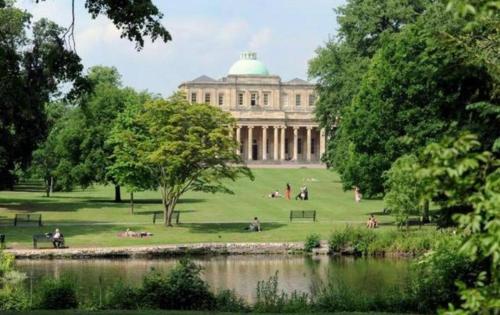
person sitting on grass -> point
(372, 222)
(254, 226)
(274, 194)
(57, 239)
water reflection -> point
(240, 273)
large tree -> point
(340, 65)
(185, 146)
(417, 89)
(31, 69)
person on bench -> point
(57, 239)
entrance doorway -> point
(255, 150)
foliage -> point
(186, 146)
(403, 188)
(33, 64)
(122, 297)
(56, 294)
(271, 300)
(312, 241)
(355, 240)
(182, 288)
(460, 175)
(435, 273)
(229, 301)
(364, 25)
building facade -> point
(275, 120)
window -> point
(267, 145)
(193, 97)
(299, 146)
(297, 100)
(221, 99)
(313, 144)
(286, 145)
(240, 99)
(266, 99)
(253, 99)
(207, 98)
(312, 98)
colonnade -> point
(280, 143)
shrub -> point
(13, 299)
(57, 294)
(122, 297)
(312, 241)
(351, 239)
(339, 239)
(229, 301)
(271, 300)
(182, 288)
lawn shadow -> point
(39, 205)
(227, 227)
(151, 212)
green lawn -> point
(90, 217)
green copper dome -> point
(249, 65)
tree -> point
(364, 25)
(403, 188)
(31, 69)
(127, 168)
(417, 89)
(136, 19)
(186, 147)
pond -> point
(240, 273)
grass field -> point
(91, 218)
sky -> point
(208, 37)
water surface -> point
(240, 273)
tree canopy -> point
(185, 147)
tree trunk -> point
(51, 184)
(131, 202)
(47, 187)
(118, 195)
(169, 210)
(425, 212)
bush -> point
(312, 241)
(434, 276)
(13, 300)
(271, 300)
(351, 239)
(57, 294)
(229, 301)
(182, 288)
(122, 297)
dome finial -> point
(248, 55)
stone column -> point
(238, 139)
(283, 130)
(308, 145)
(295, 143)
(264, 142)
(250, 142)
(322, 142)
(275, 143)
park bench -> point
(158, 216)
(303, 214)
(47, 238)
(2, 241)
(28, 219)
(411, 220)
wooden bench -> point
(158, 216)
(47, 238)
(303, 214)
(28, 219)
(411, 220)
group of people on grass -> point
(302, 195)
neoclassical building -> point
(275, 120)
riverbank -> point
(166, 250)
